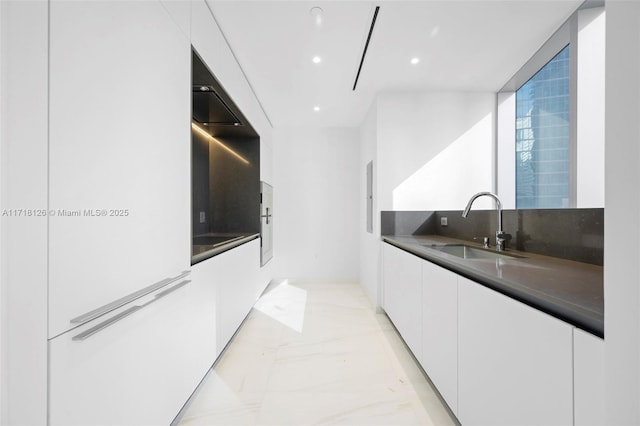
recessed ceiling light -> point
(415, 61)
(316, 59)
(316, 108)
(317, 14)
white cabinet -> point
(119, 179)
(493, 359)
(234, 283)
(421, 299)
(118, 152)
(588, 365)
(143, 368)
(238, 287)
(515, 363)
(139, 370)
(402, 294)
(440, 330)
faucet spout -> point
(501, 237)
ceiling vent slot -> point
(366, 46)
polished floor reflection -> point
(316, 353)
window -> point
(543, 158)
(550, 120)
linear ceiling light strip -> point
(366, 45)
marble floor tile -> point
(316, 353)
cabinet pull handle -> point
(163, 293)
(126, 299)
(104, 324)
(267, 215)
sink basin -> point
(467, 252)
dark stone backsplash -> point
(574, 234)
(408, 223)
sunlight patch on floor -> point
(285, 304)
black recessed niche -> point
(225, 167)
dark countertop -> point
(568, 290)
(216, 243)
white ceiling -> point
(463, 45)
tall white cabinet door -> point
(119, 152)
(440, 330)
(515, 363)
(588, 352)
(402, 294)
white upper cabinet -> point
(402, 294)
(440, 330)
(210, 43)
(118, 152)
(514, 364)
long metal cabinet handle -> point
(107, 323)
(104, 324)
(163, 293)
(126, 299)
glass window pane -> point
(542, 137)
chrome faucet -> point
(501, 236)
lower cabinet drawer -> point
(140, 369)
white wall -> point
(622, 213)
(3, 319)
(431, 151)
(591, 103)
(435, 149)
(24, 151)
(506, 149)
(316, 201)
(369, 242)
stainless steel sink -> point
(468, 252)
